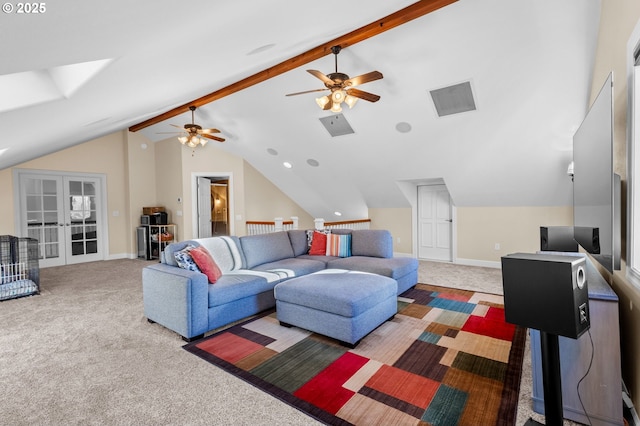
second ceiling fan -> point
(342, 87)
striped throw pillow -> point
(339, 245)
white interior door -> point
(434, 223)
(204, 207)
(63, 214)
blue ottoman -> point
(344, 305)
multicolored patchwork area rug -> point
(447, 358)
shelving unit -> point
(152, 239)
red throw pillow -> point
(206, 263)
(318, 244)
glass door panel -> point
(82, 218)
(42, 202)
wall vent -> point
(453, 99)
(336, 125)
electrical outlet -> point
(496, 246)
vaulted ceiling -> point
(87, 69)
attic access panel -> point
(336, 125)
(453, 99)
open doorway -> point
(212, 205)
(220, 207)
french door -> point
(64, 213)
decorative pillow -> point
(310, 234)
(319, 243)
(184, 259)
(206, 264)
(339, 245)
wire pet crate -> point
(19, 267)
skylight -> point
(28, 88)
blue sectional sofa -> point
(184, 301)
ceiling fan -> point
(195, 133)
(342, 87)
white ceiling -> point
(529, 63)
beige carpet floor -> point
(82, 353)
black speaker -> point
(588, 237)
(557, 238)
(546, 292)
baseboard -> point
(396, 254)
(483, 263)
(121, 256)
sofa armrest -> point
(176, 298)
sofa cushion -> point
(205, 263)
(371, 242)
(292, 267)
(264, 248)
(225, 251)
(395, 267)
(345, 293)
(237, 285)
(299, 243)
(324, 259)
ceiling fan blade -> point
(321, 76)
(364, 78)
(306, 91)
(175, 125)
(363, 95)
(209, 131)
(215, 138)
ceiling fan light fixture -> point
(183, 139)
(203, 142)
(335, 107)
(323, 101)
(350, 100)
(337, 96)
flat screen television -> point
(596, 188)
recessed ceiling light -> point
(312, 162)
(287, 164)
(403, 127)
(272, 151)
(337, 213)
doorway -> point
(219, 207)
(64, 212)
(435, 223)
(212, 205)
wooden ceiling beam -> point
(409, 13)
